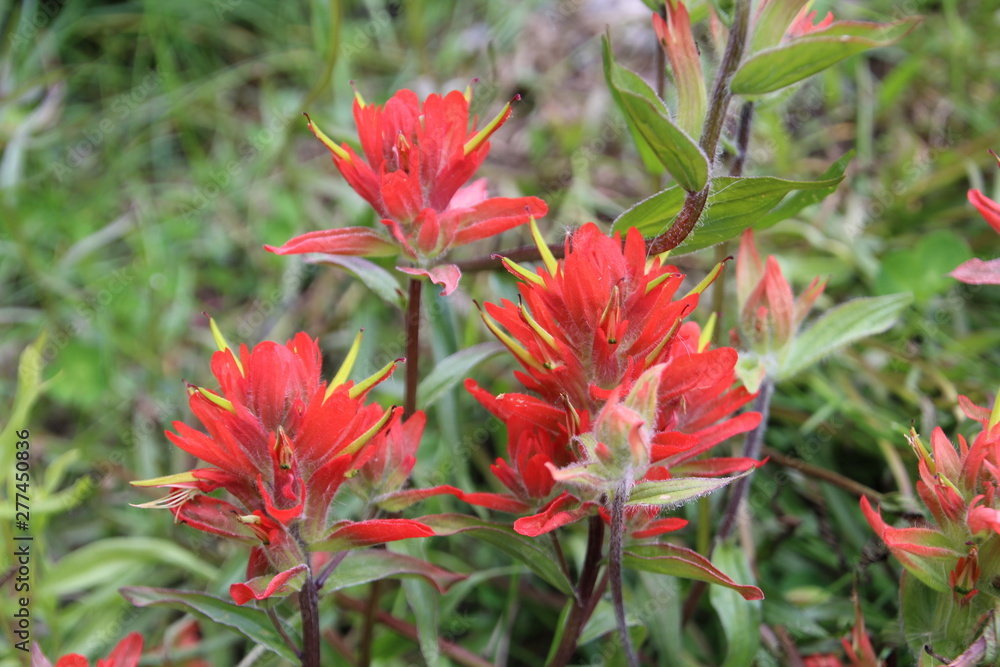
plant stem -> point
(309, 608)
(454, 651)
(412, 347)
(752, 446)
(742, 139)
(845, 483)
(694, 202)
(276, 622)
(582, 607)
(615, 549)
(368, 629)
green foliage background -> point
(150, 149)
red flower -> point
(126, 654)
(976, 271)
(960, 489)
(594, 321)
(417, 158)
(282, 442)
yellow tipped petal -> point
(551, 265)
(222, 344)
(480, 137)
(516, 268)
(706, 334)
(357, 96)
(168, 480)
(327, 141)
(921, 450)
(651, 357)
(516, 348)
(373, 380)
(363, 439)
(468, 93)
(995, 415)
(345, 368)
(657, 281)
(223, 403)
(537, 328)
(709, 279)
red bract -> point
(960, 489)
(976, 271)
(594, 321)
(126, 654)
(282, 442)
(418, 157)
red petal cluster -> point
(417, 158)
(976, 271)
(282, 443)
(960, 490)
(589, 331)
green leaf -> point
(29, 387)
(453, 369)
(378, 280)
(734, 205)
(679, 491)
(804, 56)
(740, 618)
(649, 119)
(250, 622)
(803, 199)
(526, 550)
(102, 561)
(923, 269)
(677, 561)
(362, 567)
(423, 600)
(841, 326)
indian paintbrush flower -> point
(769, 314)
(282, 442)
(418, 157)
(776, 20)
(677, 40)
(627, 394)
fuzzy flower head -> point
(959, 550)
(418, 157)
(282, 442)
(594, 321)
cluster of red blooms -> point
(283, 443)
(959, 553)
(626, 392)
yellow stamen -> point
(327, 141)
(363, 439)
(345, 368)
(468, 93)
(373, 380)
(651, 357)
(709, 279)
(516, 348)
(484, 134)
(214, 398)
(659, 280)
(921, 450)
(222, 344)
(179, 478)
(706, 334)
(283, 448)
(551, 265)
(537, 328)
(175, 498)
(531, 277)
(357, 96)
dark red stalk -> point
(582, 607)
(615, 549)
(412, 347)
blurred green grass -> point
(150, 149)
